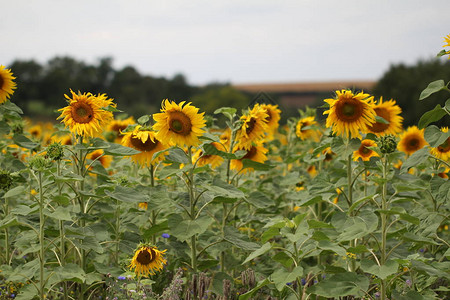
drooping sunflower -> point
(389, 111)
(85, 115)
(364, 152)
(147, 260)
(272, 120)
(302, 130)
(205, 159)
(443, 150)
(145, 141)
(253, 127)
(98, 155)
(350, 114)
(225, 138)
(411, 140)
(7, 85)
(179, 124)
(256, 153)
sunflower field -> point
(173, 206)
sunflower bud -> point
(387, 143)
(39, 163)
(6, 180)
(55, 151)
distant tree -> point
(405, 83)
(29, 74)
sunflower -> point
(117, 126)
(225, 138)
(143, 205)
(302, 130)
(145, 141)
(179, 124)
(35, 131)
(447, 40)
(329, 154)
(443, 150)
(256, 153)
(272, 120)
(312, 171)
(147, 260)
(7, 85)
(213, 160)
(253, 127)
(391, 113)
(85, 115)
(364, 152)
(98, 155)
(411, 140)
(349, 113)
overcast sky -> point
(230, 41)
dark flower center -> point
(138, 144)
(82, 112)
(349, 110)
(444, 147)
(2, 81)
(250, 125)
(250, 153)
(146, 256)
(180, 123)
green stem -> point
(383, 224)
(350, 202)
(62, 249)
(116, 256)
(7, 249)
(41, 239)
(152, 183)
(224, 220)
(193, 213)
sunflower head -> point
(147, 260)
(350, 114)
(211, 159)
(273, 118)
(411, 140)
(145, 141)
(303, 131)
(179, 124)
(390, 112)
(256, 153)
(100, 156)
(443, 150)
(117, 126)
(253, 127)
(364, 152)
(85, 115)
(7, 84)
(447, 40)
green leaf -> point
(432, 88)
(381, 120)
(15, 191)
(383, 271)
(143, 119)
(359, 226)
(70, 272)
(259, 200)
(220, 188)
(250, 293)
(434, 136)
(155, 229)
(340, 285)
(248, 163)
(327, 245)
(431, 116)
(8, 105)
(264, 248)
(119, 150)
(126, 194)
(228, 112)
(441, 53)
(24, 142)
(410, 295)
(281, 276)
(313, 224)
(233, 236)
(60, 213)
(209, 149)
(187, 228)
(178, 155)
(24, 210)
(4, 127)
(283, 259)
(415, 159)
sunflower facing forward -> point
(179, 124)
(7, 85)
(364, 152)
(411, 140)
(145, 141)
(147, 260)
(85, 115)
(253, 127)
(389, 111)
(349, 114)
(443, 150)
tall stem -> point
(80, 170)
(62, 248)
(152, 183)
(41, 239)
(193, 213)
(383, 223)
(350, 202)
(7, 249)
